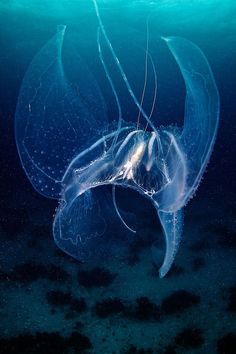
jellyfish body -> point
(68, 150)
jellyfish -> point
(69, 150)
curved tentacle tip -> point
(166, 39)
(61, 28)
(162, 273)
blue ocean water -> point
(50, 302)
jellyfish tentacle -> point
(117, 210)
(119, 66)
(112, 87)
(145, 74)
(155, 90)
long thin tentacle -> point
(121, 69)
(145, 75)
(117, 210)
(112, 87)
(155, 90)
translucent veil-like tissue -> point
(68, 149)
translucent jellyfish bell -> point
(68, 150)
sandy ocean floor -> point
(50, 303)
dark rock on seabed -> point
(179, 301)
(143, 310)
(44, 342)
(29, 272)
(132, 349)
(190, 338)
(108, 307)
(65, 301)
(232, 299)
(227, 344)
(95, 277)
(170, 349)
